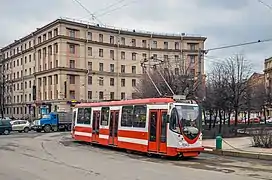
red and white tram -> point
(155, 125)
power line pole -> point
(199, 90)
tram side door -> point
(157, 131)
(95, 126)
(113, 127)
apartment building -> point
(268, 83)
(66, 62)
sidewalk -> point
(238, 147)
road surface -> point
(55, 156)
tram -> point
(154, 126)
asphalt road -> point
(55, 156)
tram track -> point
(207, 162)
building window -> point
(123, 82)
(44, 38)
(29, 58)
(72, 49)
(134, 56)
(56, 63)
(50, 80)
(56, 48)
(29, 83)
(90, 94)
(192, 46)
(133, 42)
(72, 64)
(111, 39)
(50, 50)
(133, 82)
(72, 79)
(123, 41)
(112, 95)
(165, 45)
(123, 68)
(176, 58)
(72, 33)
(176, 71)
(56, 32)
(154, 44)
(176, 45)
(123, 95)
(123, 55)
(72, 94)
(112, 54)
(50, 35)
(111, 81)
(100, 52)
(101, 81)
(192, 71)
(192, 59)
(111, 67)
(165, 58)
(90, 51)
(133, 69)
(100, 37)
(101, 95)
(90, 80)
(144, 55)
(90, 66)
(90, 36)
(144, 43)
(101, 67)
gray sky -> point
(223, 22)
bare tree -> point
(179, 81)
(229, 84)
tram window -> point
(174, 125)
(127, 116)
(153, 126)
(163, 127)
(105, 114)
(84, 115)
(139, 119)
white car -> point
(20, 126)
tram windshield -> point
(187, 117)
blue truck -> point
(54, 121)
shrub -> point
(262, 138)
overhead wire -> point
(265, 4)
(124, 5)
(90, 13)
(109, 6)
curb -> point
(209, 150)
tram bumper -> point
(189, 152)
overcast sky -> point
(223, 22)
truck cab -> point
(53, 121)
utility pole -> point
(200, 84)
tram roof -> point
(127, 102)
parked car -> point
(21, 126)
(5, 127)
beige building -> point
(68, 61)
